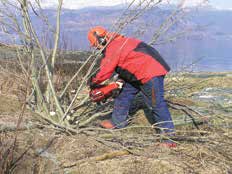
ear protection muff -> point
(100, 40)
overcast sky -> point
(76, 4)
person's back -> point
(137, 61)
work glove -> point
(117, 91)
(92, 85)
(120, 83)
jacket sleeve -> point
(107, 67)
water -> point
(222, 96)
(207, 55)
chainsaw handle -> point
(100, 94)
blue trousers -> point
(153, 96)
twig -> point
(13, 128)
(93, 117)
(103, 157)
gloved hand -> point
(120, 83)
(116, 92)
(93, 85)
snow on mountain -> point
(78, 4)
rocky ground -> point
(39, 148)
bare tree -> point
(17, 17)
(37, 61)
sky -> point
(223, 4)
(77, 4)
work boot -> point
(107, 124)
(168, 144)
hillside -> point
(43, 149)
(49, 122)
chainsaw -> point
(102, 93)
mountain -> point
(207, 33)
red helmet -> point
(97, 35)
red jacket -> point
(134, 61)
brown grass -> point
(50, 151)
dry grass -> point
(134, 149)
